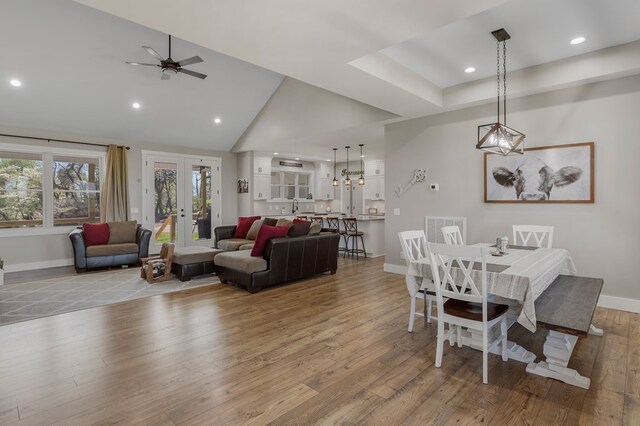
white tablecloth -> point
(529, 274)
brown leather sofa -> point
(285, 259)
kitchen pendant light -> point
(361, 180)
(335, 179)
(497, 137)
(347, 181)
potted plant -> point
(1, 271)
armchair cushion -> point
(95, 234)
(122, 232)
(241, 261)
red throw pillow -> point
(244, 224)
(95, 234)
(265, 233)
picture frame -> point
(545, 174)
(243, 186)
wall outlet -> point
(434, 187)
(396, 211)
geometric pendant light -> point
(361, 180)
(497, 137)
(347, 181)
(335, 179)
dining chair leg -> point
(429, 310)
(452, 335)
(424, 309)
(439, 344)
(485, 356)
(503, 330)
(459, 336)
(412, 315)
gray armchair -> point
(109, 255)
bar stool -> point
(352, 234)
(334, 223)
(318, 219)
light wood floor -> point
(333, 349)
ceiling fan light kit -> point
(170, 67)
(497, 137)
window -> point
(76, 190)
(21, 194)
(48, 189)
(290, 185)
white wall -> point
(603, 238)
(28, 252)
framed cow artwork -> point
(547, 174)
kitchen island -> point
(373, 229)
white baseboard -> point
(395, 269)
(37, 265)
(619, 303)
(611, 302)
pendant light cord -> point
(504, 81)
(498, 75)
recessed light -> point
(469, 70)
(297, 159)
(136, 105)
(362, 156)
(275, 153)
(217, 120)
(578, 40)
(15, 83)
(328, 160)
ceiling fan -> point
(170, 66)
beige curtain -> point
(114, 197)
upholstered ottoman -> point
(188, 262)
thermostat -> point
(434, 187)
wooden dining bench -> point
(566, 309)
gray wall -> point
(17, 251)
(603, 237)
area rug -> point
(35, 299)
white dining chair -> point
(467, 304)
(414, 247)
(542, 235)
(452, 235)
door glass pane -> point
(289, 185)
(275, 184)
(165, 202)
(201, 202)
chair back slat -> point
(533, 235)
(317, 219)
(350, 224)
(452, 268)
(452, 235)
(414, 245)
(333, 223)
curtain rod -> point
(58, 140)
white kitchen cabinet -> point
(325, 189)
(262, 166)
(326, 170)
(374, 188)
(374, 168)
(261, 187)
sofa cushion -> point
(315, 228)
(243, 226)
(265, 234)
(95, 234)
(112, 249)
(299, 228)
(122, 232)
(270, 221)
(253, 231)
(247, 246)
(232, 244)
(241, 261)
(283, 222)
(187, 255)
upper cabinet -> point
(326, 170)
(324, 183)
(374, 168)
(262, 166)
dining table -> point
(517, 278)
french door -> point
(181, 199)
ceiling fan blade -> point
(138, 63)
(189, 61)
(193, 74)
(165, 76)
(153, 53)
